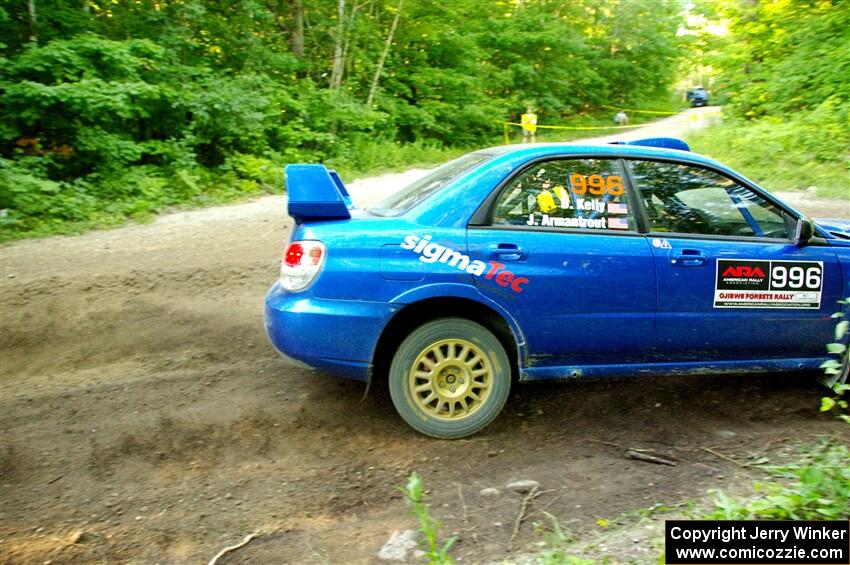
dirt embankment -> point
(146, 420)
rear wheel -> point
(450, 378)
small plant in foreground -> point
(836, 369)
(428, 526)
(558, 539)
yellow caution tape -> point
(632, 110)
(579, 127)
(693, 117)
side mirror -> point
(804, 231)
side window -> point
(567, 193)
(685, 199)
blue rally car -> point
(551, 261)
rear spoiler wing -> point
(316, 193)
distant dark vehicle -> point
(698, 97)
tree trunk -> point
(380, 67)
(297, 38)
(339, 41)
(33, 21)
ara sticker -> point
(661, 244)
(751, 283)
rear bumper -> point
(337, 336)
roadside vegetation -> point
(116, 110)
(781, 74)
(815, 487)
(787, 153)
(812, 482)
(835, 369)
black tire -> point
(460, 343)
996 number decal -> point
(596, 185)
(751, 283)
(795, 277)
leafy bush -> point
(120, 109)
(781, 58)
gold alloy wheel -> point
(451, 379)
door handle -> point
(689, 258)
(506, 251)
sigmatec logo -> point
(744, 271)
(431, 252)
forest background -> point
(117, 109)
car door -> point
(732, 285)
(564, 257)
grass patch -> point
(801, 152)
(374, 158)
(815, 487)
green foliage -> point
(782, 57)
(391, 156)
(816, 489)
(835, 375)
(793, 152)
(557, 539)
(781, 73)
(119, 109)
(558, 557)
(414, 493)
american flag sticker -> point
(618, 223)
(617, 208)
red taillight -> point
(302, 261)
(293, 254)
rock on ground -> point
(523, 486)
(399, 546)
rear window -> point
(414, 193)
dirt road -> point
(146, 420)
